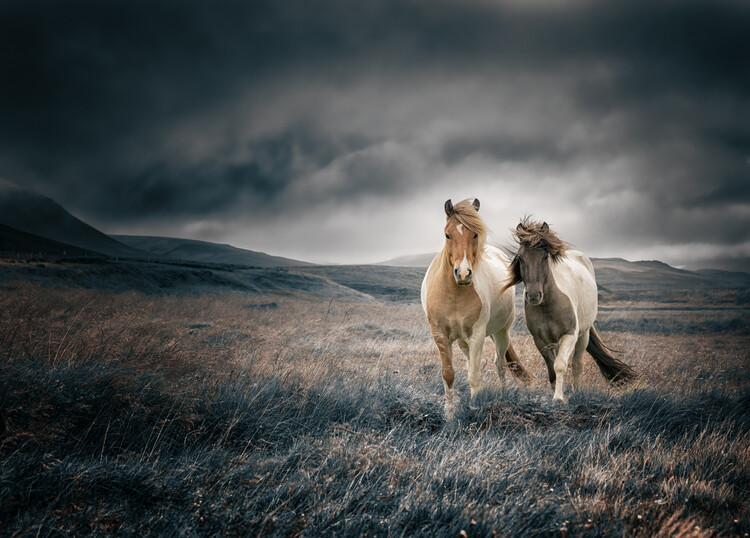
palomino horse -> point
(560, 305)
(462, 299)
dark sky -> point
(335, 130)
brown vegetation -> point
(333, 423)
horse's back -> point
(497, 260)
(575, 277)
(493, 270)
(584, 260)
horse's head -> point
(538, 248)
(533, 267)
(465, 235)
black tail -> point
(616, 371)
(516, 367)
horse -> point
(560, 303)
(462, 300)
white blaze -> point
(463, 268)
(460, 229)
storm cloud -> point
(334, 131)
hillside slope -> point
(172, 248)
(23, 243)
(33, 213)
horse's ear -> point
(545, 227)
(448, 207)
(475, 203)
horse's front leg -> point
(475, 361)
(564, 351)
(446, 358)
(548, 354)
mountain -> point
(203, 251)
(23, 243)
(33, 213)
(44, 219)
(740, 278)
(616, 273)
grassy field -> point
(288, 414)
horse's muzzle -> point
(465, 281)
(535, 298)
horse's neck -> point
(445, 276)
(551, 288)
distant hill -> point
(616, 273)
(412, 260)
(54, 230)
(396, 284)
(203, 251)
(622, 275)
(23, 243)
(30, 212)
(163, 277)
(30, 223)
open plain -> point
(204, 406)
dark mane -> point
(532, 234)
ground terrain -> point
(145, 398)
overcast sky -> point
(335, 130)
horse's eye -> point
(476, 235)
(447, 236)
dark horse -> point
(560, 305)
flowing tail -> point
(516, 367)
(616, 371)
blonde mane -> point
(467, 215)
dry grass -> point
(288, 414)
(314, 338)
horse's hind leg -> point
(502, 341)
(581, 344)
